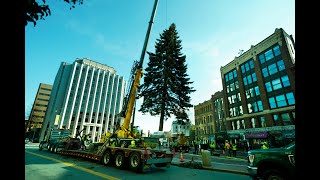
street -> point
(44, 165)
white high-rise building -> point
(86, 95)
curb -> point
(214, 169)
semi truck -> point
(125, 147)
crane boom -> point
(124, 131)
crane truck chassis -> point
(138, 158)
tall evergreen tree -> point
(166, 85)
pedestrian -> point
(212, 147)
(234, 149)
(83, 139)
(195, 144)
(227, 147)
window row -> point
(250, 79)
(236, 111)
(232, 86)
(229, 76)
(247, 66)
(282, 100)
(252, 92)
(271, 53)
(234, 98)
(254, 107)
(273, 68)
(277, 83)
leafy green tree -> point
(166, 84)
(36, 11)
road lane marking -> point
(75, 166)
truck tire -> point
(40, 147)
(52, 148)
(119, 160)
(273, 174)
(107, 158)
(55, 149)
(135, 162)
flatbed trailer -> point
(138, 159)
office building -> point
(259, 91)
(210, 119)
(38, 111)
(86, 95)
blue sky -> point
(112, 32)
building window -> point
(285, 81)
(263, 122)
(281, 65)
(272, 69)
(262, 58)
(275, 119)
(253, 122)
(281, 101)
(238, 124)
(286, 119)
(272, 103)
(276, 50)
(243, 124)
(269, 55)
(232, 124)
(290, 98)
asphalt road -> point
(41, 165)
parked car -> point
(273, 163)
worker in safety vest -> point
(212, 147)
(133, 144)
(264, 146)
(234, 149)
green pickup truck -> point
(273, 163)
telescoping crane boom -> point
(127, 109)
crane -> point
(136, 74)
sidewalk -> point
(216, 166)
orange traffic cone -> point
(181, 157)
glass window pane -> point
(261, 58)
(257, 90)
(280, 65)
(290, 98)
(232, 87)
(272, 69)
(228, 88)
(249, 79)
(245, 81)
(269, 55)
(234, 73)
(226, 77)
(246, 65)
(265, 72)
(272, 103)
(268, 87)
(236, 84)
(260, 107)
(281, 101)
(242, 69)
(254, 77)
(230, 75)
(251, 64)
(276, 84)
(276, 50)
(285, 81)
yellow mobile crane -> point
(127, 110)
